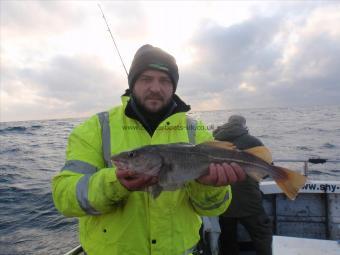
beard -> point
(152, 96)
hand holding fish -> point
(133, 180)
(222, 174)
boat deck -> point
(283, 245)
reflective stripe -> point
(191, 128)
(226, 197)
(80, 167)
(82, 195)
(106, 142)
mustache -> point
(154, 96)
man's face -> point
(153, 90)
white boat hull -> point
(283, 245)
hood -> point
(229, 131)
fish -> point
(175, 164)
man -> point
(116, 214)
(246, 206)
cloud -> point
(268, 61)
(32, 18)
(34, 31)
(57, 59)
(232, 59)
(65, 86)
(59, 24)
(127, 19)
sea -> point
(32, 152)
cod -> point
(177, 163)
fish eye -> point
(131, 154)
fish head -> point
(141, 160)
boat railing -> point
(307, 161)
(75, 251)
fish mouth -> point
(119, 164)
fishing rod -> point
(114, 42)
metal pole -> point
(305, 169)
(327, 232)
(308, 160)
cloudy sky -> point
(58, 60)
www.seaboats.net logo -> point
(172, 127)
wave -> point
(304, 148)
(6, 177)
(19, 129)
(28, 207)
(266, 136)
(13, 129)
(12, 150)
(328, 146)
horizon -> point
(190, 112)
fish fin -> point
(289, 181)
(220, 144)
(163, 173)
(156, 190)
(256, 175)
(261, 152)
(172, 187)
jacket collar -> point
(150, 123)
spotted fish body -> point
(177, 163)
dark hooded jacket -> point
(247, 197)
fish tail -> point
(289, 181)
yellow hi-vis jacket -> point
(116, 221)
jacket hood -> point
(229, 131)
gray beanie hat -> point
(237, 120)
(149, 57)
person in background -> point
(116, 214)
(246, 206)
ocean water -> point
(32, 152)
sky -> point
(58, 59)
